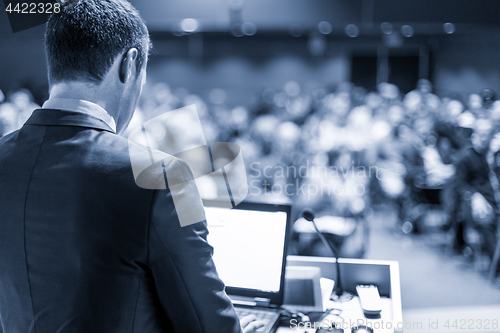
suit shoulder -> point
(151, 167)
(8, 137)
(178, 171)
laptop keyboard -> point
(261, 315)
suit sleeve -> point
(180, 258)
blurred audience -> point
(344, 151)
(15, 110)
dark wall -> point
(22, 61)
(244, 66)
(242, 78)
(468, 63)
(280, 14)
(462, 63)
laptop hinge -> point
(250, 301)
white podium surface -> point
(460, 319)
(348, 313)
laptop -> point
(250, 243)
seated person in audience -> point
(451, 138)
(473, 190)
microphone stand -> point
(308, 214)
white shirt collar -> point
(78, 105)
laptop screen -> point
(249, 244)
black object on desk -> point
(362, 329)
(301, 292)
(359, 329)
(330, 330)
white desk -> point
(383, 274)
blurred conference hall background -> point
(377, 114)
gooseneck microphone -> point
(308, 215)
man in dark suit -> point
(474, 192)
(82, 247)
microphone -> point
(308, 215)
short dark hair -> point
(83, 40)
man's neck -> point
(83, 91)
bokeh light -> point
(407, 30)
(249, 28)
(386, 28)
(449, 28)
(237, 30)
(325, 27)
(352, 30)
(189, 25)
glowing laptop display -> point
(249, 246)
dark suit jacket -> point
(472, 174)
(84, 249)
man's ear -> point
(127, 64)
